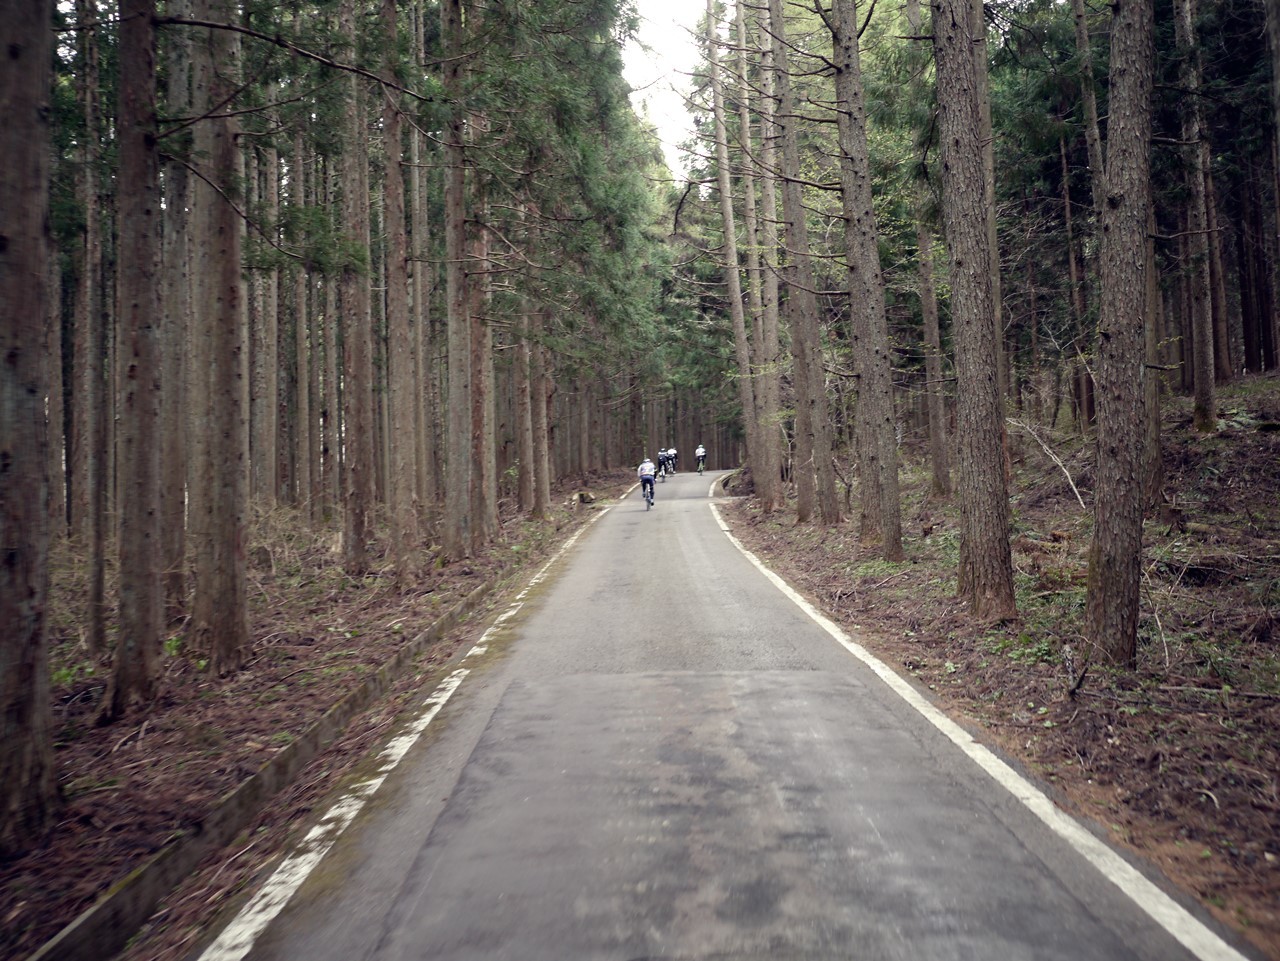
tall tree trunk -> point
(458, 532)
(304, 430)
(137, 651)
(56, 418)
(264, 397)
(381, 347)
(766, 471)
(176, 307)
(733, 282)
(1224, 367)
(484, 470)
(1089, 99)
(866, 285)
(1273, 45)
(1115, 554)
(543, 391)
(304, 436)
(582, 434)
(1257, 297)
(815, 473)
(357, 437)
(266, 333)
(401, 379)
(771, 351)
(524, 410)
(426, 409)
(306, 189)
(1153, 476)
(933, 357)
(988, 141)
(1205, 408)
(220, 617)
(331, 416)
(938, 457)
(1081, 378)
(254, 305)
(986, 574)
(28, 789)
(89, 399)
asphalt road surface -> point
(659, 754)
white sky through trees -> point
(659, 75)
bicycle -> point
(701, 465)
(646, 490)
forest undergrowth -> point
(1178, 760)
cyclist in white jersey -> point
(646, 472)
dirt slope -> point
(1178, 760)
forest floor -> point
(1178, 761)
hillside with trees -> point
(317, 314)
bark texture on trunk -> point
(357, 438)
(55, 418)
(1089, 98)
(524, 411)
(938, 457)
(1200, 304)
(766, 470)
(870, 325)
(401, 375)
(986, 134)
(458, 529)
(264, 408)
(426, 410)
(771, 350)
(483, 453)
(176, 308)
(89, 398)
(306, 451)
(933, 357)
(331, 415)
(1115, 554)
(1153, 476)
(219, 512)
(733, 280)
(986, 575)
(137, 649)
(814, 471)
(543, 390)
(28, 790)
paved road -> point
(660, 755)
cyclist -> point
(664, 464)
(645, 472)
(701, 455)
(672, 458)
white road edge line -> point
(237, 939)
(1170, 915)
